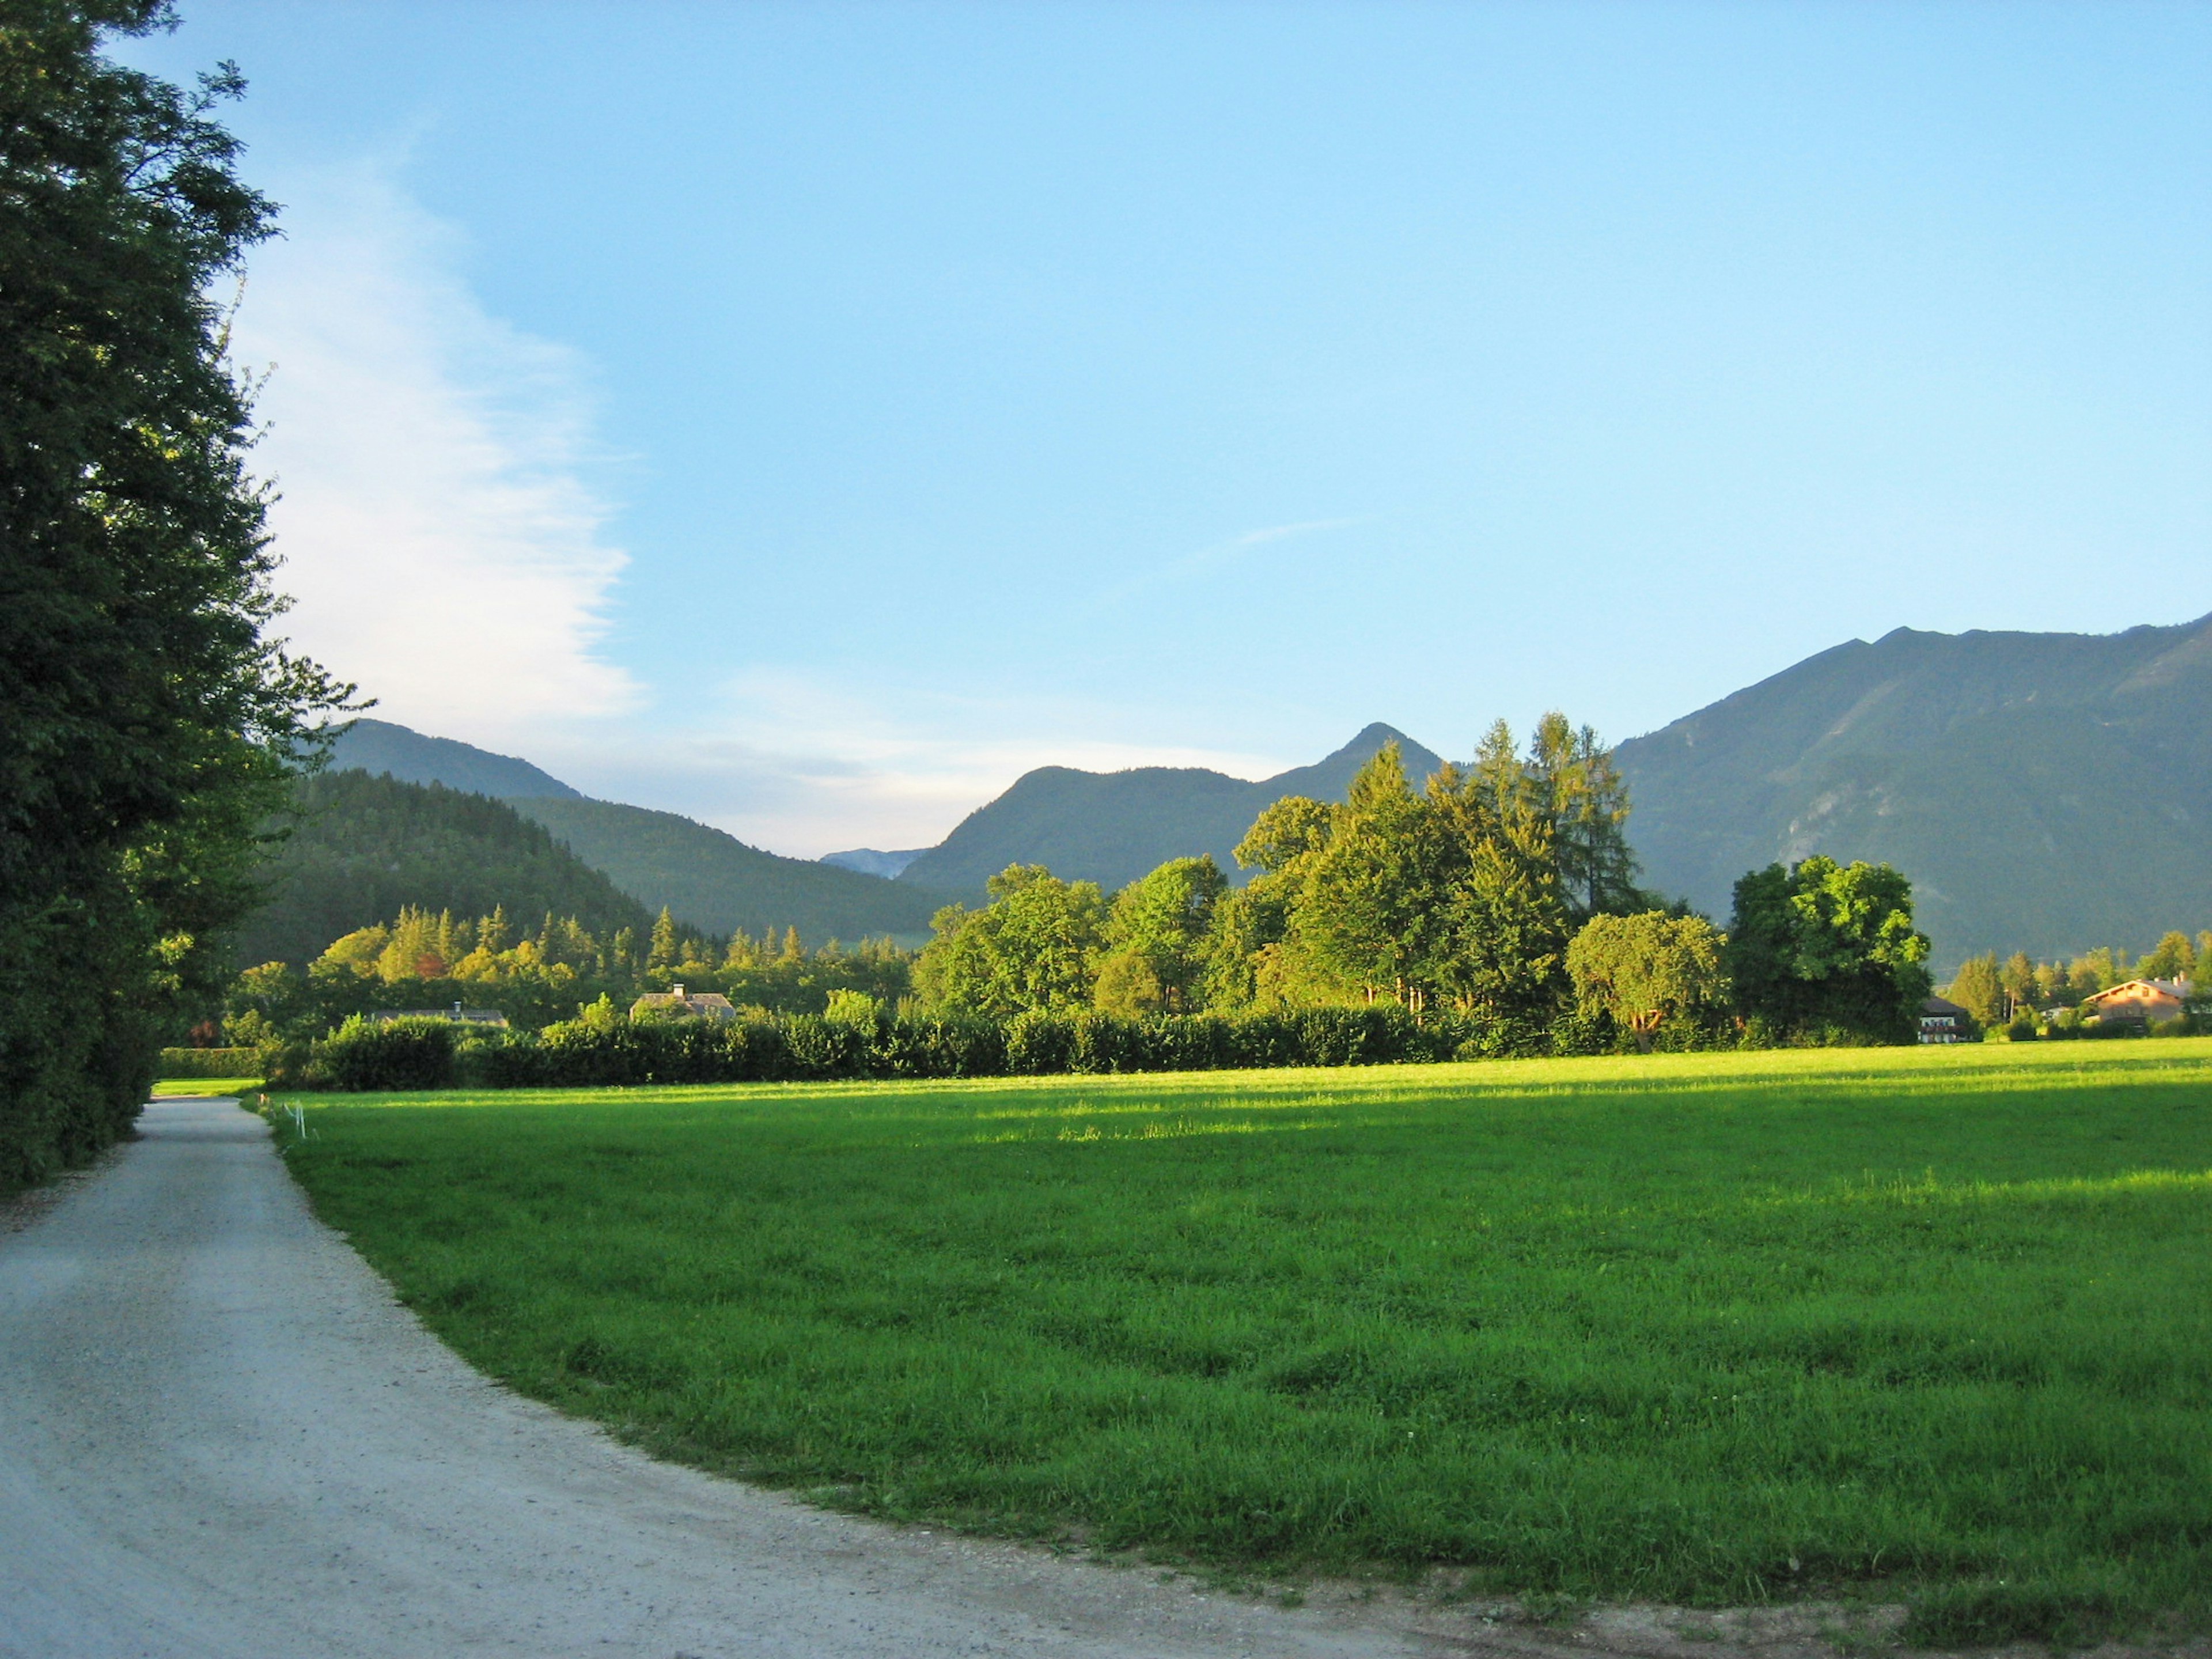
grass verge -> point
(171, 1088)
(1706, 1329)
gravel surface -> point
(221, 1435)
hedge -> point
(621, 1052)
(211, 1063)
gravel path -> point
(220, 1436)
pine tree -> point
(662, 951)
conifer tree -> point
(662, 951)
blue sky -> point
(810, 417)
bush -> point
(365, 1055)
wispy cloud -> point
(438, 532)
(1216, 555)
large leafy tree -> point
(1036, 945)
(1645, 968)
(1157, 933)
(1825, 948)
(147, 722)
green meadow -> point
(1932, 1325)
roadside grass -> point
(170, 1088)
(1926, 1324)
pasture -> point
(1924, 1324)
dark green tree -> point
(147, 724)
(1824, 949)
(1577, 787)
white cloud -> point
(439, 535)
(848, 770)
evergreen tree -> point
(663, 951)
(1576, 785)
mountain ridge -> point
(2043, 791)
(1112, 826)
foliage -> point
(1642, 969)
(210, 1062)
(1157, 933)
(147, 723)
(1919, 1325)
(536, 977)
(714, 881)
(1978, 988)
(1821, 950)
(1035, 945)
(358, 848)
(1451, 897)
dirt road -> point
(220, 1436)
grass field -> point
(1933, 1324)
(171, 1088)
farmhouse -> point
(455, 1015)
(709, 1004)
(2144, 999)
(1942, 1021)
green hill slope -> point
(714, 881)
(1112, 826)
(365, 846)
(2045, 791)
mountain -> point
(714, 881)
(364, 846)
(2047, 792)
(379, 746)
(1112, 826)
(870, 862)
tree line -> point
(1997, 992)
(1495, 909)
(149, 724)
(1503, 892)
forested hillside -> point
(714, 881)
(379, 746)
(1112, 826)
(2046, 792)
(364, 847)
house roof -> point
(2178, 989)
(699, 1002)
(1940, 1005)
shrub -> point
(389, 1055)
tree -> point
(1156, 933)
(2174, 959)
(1578, 788)
(2018, 977)
(1826, 948)
(1505, 927)
(1376, 892)
(146, 723)
(1035, 945)
(1976, 988)
(663, 951)
(1643, 970)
